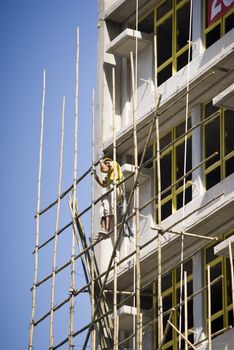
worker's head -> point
(105, 165)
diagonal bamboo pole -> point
(166, 329)
(51, 337)
(37, 217)
(137, 211)
(181, 334)
(116, 333)
(93, 335)
(72, 282)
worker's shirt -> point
(109, 179)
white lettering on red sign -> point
(217, 8)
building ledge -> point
(125, 42)
(225, 99)
(222, 249)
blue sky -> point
(35, 35)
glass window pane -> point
(166, 210)
(164, 74)
(210, 109)
(213, 178)
(166, 172)
(147, 24)
(217, 324)
(182, 30)
(165, 140)
(213, 36)
(229, 23)
(164, 41)
(229, 131)
(229, 166)
(212, 140)
(164, 8)
(180, 129)
(188, 197)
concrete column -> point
(198, 301)
(125, 93)
(197, 176)
(197, 25)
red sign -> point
(217, 8)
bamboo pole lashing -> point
(31, 331)
(163, 110)
(51, 336)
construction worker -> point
(107, 205)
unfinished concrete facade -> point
(209, 189)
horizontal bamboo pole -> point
(122, 142)
(193, 235)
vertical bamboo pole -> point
(160, 311)
(51, 339)
(209, 306)
(72, 281)
(232, 275)
(93, 334)
(185, 309)
(137, 214)
(116, 338)
(37, 216)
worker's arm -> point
(97, 178)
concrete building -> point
(209, 194)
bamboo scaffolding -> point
(165, 313)
(163, 110)
(93, 335)
(232, 275)
(115, 219)
(72, 282)
(122, 221)
(51, 337)
(131, 254)
(209, 307)
(31, 331)
(136, 208)
(210, 118)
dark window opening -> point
(217, 324)
(165, 140)
(167, 281)
(164, 74)
(188, 198)
(213, 36)
(148, 156)
(182, 60)
(164, 41)
(166, 173)
(212, 137)
(229, 166)
(166, 210)
(230, 318)
(180, 129)
(164, 8)
(147, 24)
(180, 160)
(182, 30)
(229, 23)
(213, 178)
(210, 109)
(216, 289)
(229, 131)
(210, 254)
